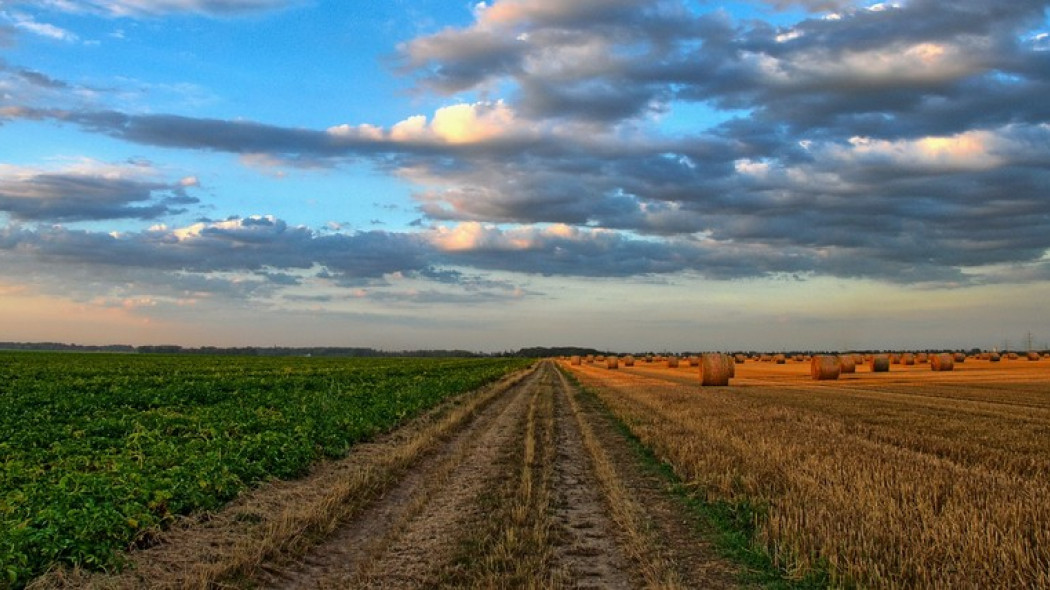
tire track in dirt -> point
(540, 490)
(401, 541)
(523, 484)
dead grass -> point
(903, 479)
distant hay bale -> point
(880, 363)
(692, 361)
(895, 359)
(739, 359)
(847, 364)
(590, 358)
(922, 358)
(960, 357)
(942, 362)
(612, 363)
(715, 369)
(1012, 356)
(575, 360)
(672, 362)
(780, 359)
(1033, 356)
(765, 358)
(648, 358)
(800, 358)
(628, 361)
(907, 359)
(824, 367)
(994, 357)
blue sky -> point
(616, 173)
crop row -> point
(100, 452)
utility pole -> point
(1029, 342)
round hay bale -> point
(575, 360)
(765, 358)
(824, 367)
(922, 358)
(590, 358)
(628, 361)
(895, 359)
(907, 359)
(739, 359)
(780, 359)
(1033, 356)
(648, 358)
(1012, 356)
(847, 364)
(612, 363)
(942, 362)
(672, 362)
(994, 357)
(693, 361)
(880, 363)
(960, 357)
(714, 369)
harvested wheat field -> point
(906, 478)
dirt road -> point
(523, 484)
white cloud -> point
(462, 123)
(28, 23)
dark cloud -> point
(42, 80)
(264, 246)
(65, 197)
(906, 143)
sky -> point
(622, 174)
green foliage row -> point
(99, 452)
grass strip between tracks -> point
(731, 526)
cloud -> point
(905, 143)
(141, 8)
(27, 23)
(89, 191)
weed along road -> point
(523, 483)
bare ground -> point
(526, 483)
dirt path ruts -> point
(402, 540)
(527, 484)
(539, 490)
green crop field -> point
(98, 452)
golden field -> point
(911, 478)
